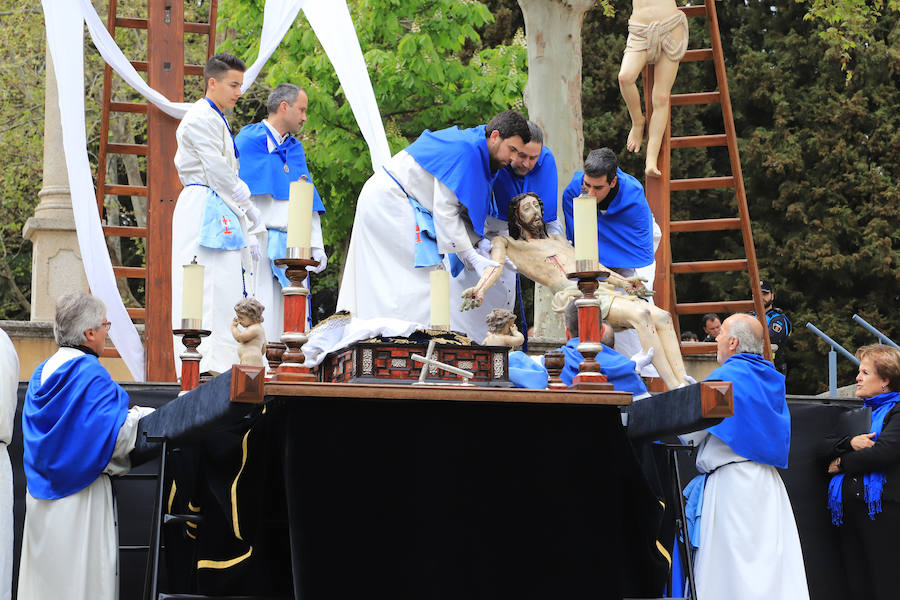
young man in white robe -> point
(271, 158)
(429, 200)
(740, 517)
(77, 430)
(214, 220)
(9, 385)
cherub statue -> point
(657, 35)
(548, 260)
(502, 330)
(252, 337)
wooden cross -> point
(427, 362)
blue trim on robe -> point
(760, 429)
(276, 248)
(459, 159)
(69, 426)
(693, 507)
(263, 171)
(220, 229)
(525, 373)
(625, 231)
(619, 371)
(542, 180)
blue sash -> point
(221, 229)
(277, 248)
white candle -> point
(192, 294)
(585, 216)
(440, 299)
(300, 205)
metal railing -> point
(836, 347)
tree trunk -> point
(553, 98)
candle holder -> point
(590, 376)
(291, 368)
(190, 358)
(555, 362)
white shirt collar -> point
(278, 137)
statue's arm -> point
(474, 296)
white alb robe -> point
(9, 383)
(206, 156)
(749, 545)
(380, 279)
(70, 545)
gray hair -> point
(537, 134)
(76, 313)
(283, 92)
(747, 332)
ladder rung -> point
(697, 55)
(109, 353)
(131, 23)
(710, 266)
(202, 28)
(193, 70)
(694, 11)
(125, 190)
(137, 313)
(131, 272)
(140, 149)
(695, 98)
(699, 141)
(701, 183)
(128, 107)
(698, 347)
(140, 65)
(119, 231)
(726, 306)
(704, 225)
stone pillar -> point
(56, 266)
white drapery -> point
(65, 22)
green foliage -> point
(429, 70)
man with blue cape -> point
(271, 158)
(627, 233)
(740, 518)
(214, 219)
(532, 169)
(428, 201)
(77, 430)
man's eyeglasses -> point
(106, 324)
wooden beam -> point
(706, 225)
(700, 141)
(725, 306)
(702, 183)
(710, 266)
(694, 98)
(119, 231)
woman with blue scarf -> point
(864, 494)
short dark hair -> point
(220, 64)
(512, 214)
(509, 123)
(572, 318)
(537, 134)
(707, 318)
(601, 162)
(283, 92)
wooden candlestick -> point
(555, 362)
(274, 352)
(294, 336)
(590, 376)
(190, 358)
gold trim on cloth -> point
(223, 564)
(171, 497)
(234, 507)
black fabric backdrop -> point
(541, 516)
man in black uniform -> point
(779, 325)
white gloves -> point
(319, 255)
(475, 261)
(642, 359)
(484, 247)
(690, 380)
(253, 214)
(253, 247)
(240, 193)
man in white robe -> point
(214, 220)
(429, 200)
(271, 158)
(746, 539)
(77, 430)
(9, 383)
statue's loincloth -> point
(656, 38)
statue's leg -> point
(663, 80)
(632, 65)
(669, 340)
(628, 313)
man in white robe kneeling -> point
(739, 514)
(77, 430)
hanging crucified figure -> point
(657, 35)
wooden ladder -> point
(166, 69)
(659, 188)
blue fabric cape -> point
(625, 232)
(873, 483)
(459, 159)
(69, 427)
(619, 371)
(542, 180)
(263, 171)
(525, 373)
(760, 429)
